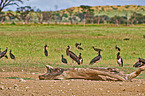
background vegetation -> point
(127, 14)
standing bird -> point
(12, 55)
(96, 59)
(80, 58)
(63, 59)
(78, 46)
(119, 60)
(72, 55)
(2, 54)
(96, 49)
(117, 48)
(45, 50)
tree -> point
(70, 11)
(84, 11)
(39, 15)
(5, 3)
(23, 13)
(60, 15)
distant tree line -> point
(86, 15)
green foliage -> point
(18, 78)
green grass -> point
(18, 78)
(27, 41)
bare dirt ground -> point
(30, 85)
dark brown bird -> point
(3, 54)
(72, 55)
(119, 60)
(78, 46)
(137, 64)
(12, 55)
(80, 58)
(63, 59)
(96, 49)
(45, 50)
(126, 39)
(96, 59)
(142, 61)
(117, 48)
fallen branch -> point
(97, 73)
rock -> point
(108, 91)
(15, 86)
(27, 87)
(9, 88)
(2, 83)
(100, 89)
(1, 87)
(22, 80)
(120, 84)
(124, 89)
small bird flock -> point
(3, 54)
(78, 59)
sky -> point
(47, 5)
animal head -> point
(68, 47)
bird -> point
(63, 59)
(137, 64)
(117, 48)
(142, 61)
(119, 60)
(80, 58)
(12, 55)
(96, 49)
(3, 54)
(72, 55)
(78, 46)
(96, 59)
(45, 50)
(126, 39)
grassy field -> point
(27, 41)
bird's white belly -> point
(119, 60)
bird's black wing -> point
(12, 56)
(64, 60)
(74, 57)
(46, 53)
(97, 58)
(80, 48)
(2, 54)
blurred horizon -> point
(47, 5)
